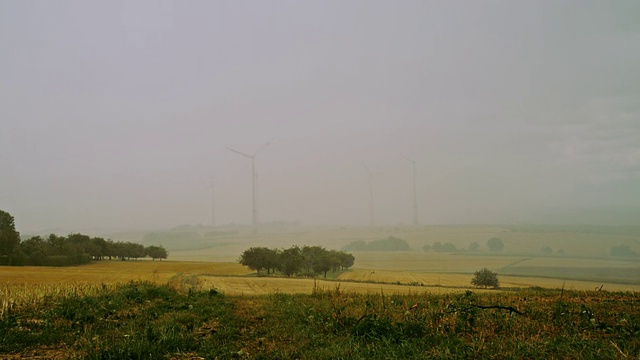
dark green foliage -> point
(485, 278)
(389, 244)
(155, 252)
(474, 246)
(446, 247)
(623, 251)
(308, 260)
(495, 244)
(77, 249)
(9, 237)
(260, 258)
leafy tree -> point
(312, 257)
(271, 259)
(474, 246)
(346, 260)
(255, 258)
(485, 278)
(426, 247)
(546, 250)
(389, 244)
(155, 252)
(495, 244)
(446, 247)
(622, 251)
(359, 245)
(9, 237)
(291, 261)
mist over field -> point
(118, 115)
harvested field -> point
(109, 272)
(232, 285)
(431, 262)
(464, 280)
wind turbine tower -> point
(371, 206)
(213, 204)
(254, 176)
(415, 195)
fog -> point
(118, 114)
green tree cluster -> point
(623, 251)
(446, 247)
(9, 237)
(57, 250)
(308, 260)
(495, 244)
(78, 249)
(389, 244)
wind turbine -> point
(213, 204)
(371, 207)
(254, 176)
(415, 196)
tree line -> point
(305, 261)
(73, 249)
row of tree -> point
(389, 244)
(493, 244)
(57, 250)
(306, 260)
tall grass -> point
(180, 320)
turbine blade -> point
(240, 153)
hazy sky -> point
(117, 113)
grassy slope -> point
(144, 320)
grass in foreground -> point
(142, 320)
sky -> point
(118, 114)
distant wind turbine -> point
(415, 196)
(371, 206)
(254, 176)
(213, 203)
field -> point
(146, 320)
(411, 304)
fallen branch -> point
(509, 308)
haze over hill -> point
(115, 115)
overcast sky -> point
(117, 114)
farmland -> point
(146, 320)
(407, 304)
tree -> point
(155, 252)
(622, 251)
(495, 244)
(546, 250)
(291, 261)
(255, 258)
(346, 260)
(485, 278)
(474, 246)
(446, 247)
(9, 237)
(426, 247)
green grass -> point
(145, 321)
